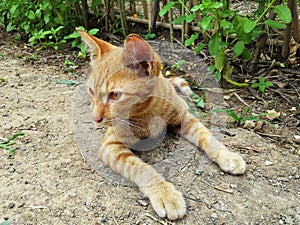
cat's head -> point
(119, 78)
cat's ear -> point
(139, 56)
(97, 47)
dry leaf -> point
(272, 114)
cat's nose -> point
(98, 119)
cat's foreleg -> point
(194, 131)
(165, 199)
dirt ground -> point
(50, 180)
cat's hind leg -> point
(165, 199)
(194, 131)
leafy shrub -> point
(45, 22)
(228, 32)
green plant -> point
(240, 118)
(262, 84)
(178, 65)
(45, 22)
(198, 100)
(77, 43)
(228, 33)
(6, 143)
(149, 36)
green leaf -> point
(190, 18)
(9, 27)
(166, 8)
(218, 75)
(239, 48)
(12, 138)
(191, 40)
(196, 8)
(220, 61)
(247, 54)
(199, 47)
(206, 23)
(275, 24)
(47, 18)
(179, 20)
(225, 24)
(268, 84)
(249, 25)
(283, 13)
(214, 44)
(216, 5)
(234, 115)
(93, 31)
(31, 15)
(254, 85)
(13, 9)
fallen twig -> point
(240, 99)
(246, 148)
(282, 95)
(36, 207)
(209, 206)
(218, 188)
(272, 135)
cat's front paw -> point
(231, 162)
(167, 201)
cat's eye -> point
(90, 91)
(115, 95)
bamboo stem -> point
(107, 12)
(123, 17)
(161, 24)
(295, 22)
(154, 15)
(287, 34)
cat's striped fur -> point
(129, 94)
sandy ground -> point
(48, 181)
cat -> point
(129, 94)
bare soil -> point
(51, 180)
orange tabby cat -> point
(129, 94)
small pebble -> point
(284, 179)
(11, 205)
(214, 216)
(268, 163)
(21, 205)
(233, 185)
(142, 202)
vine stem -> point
(185, 7)
(265, 11)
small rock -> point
(21, 205)
(296, 139)
(11, 205)
(284, 179)
(142, 202)
(249, 124)
(233, 185)
(268, 163)
(214, 216)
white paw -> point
(168, 202)
(231, 162)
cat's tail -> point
(182, 86)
